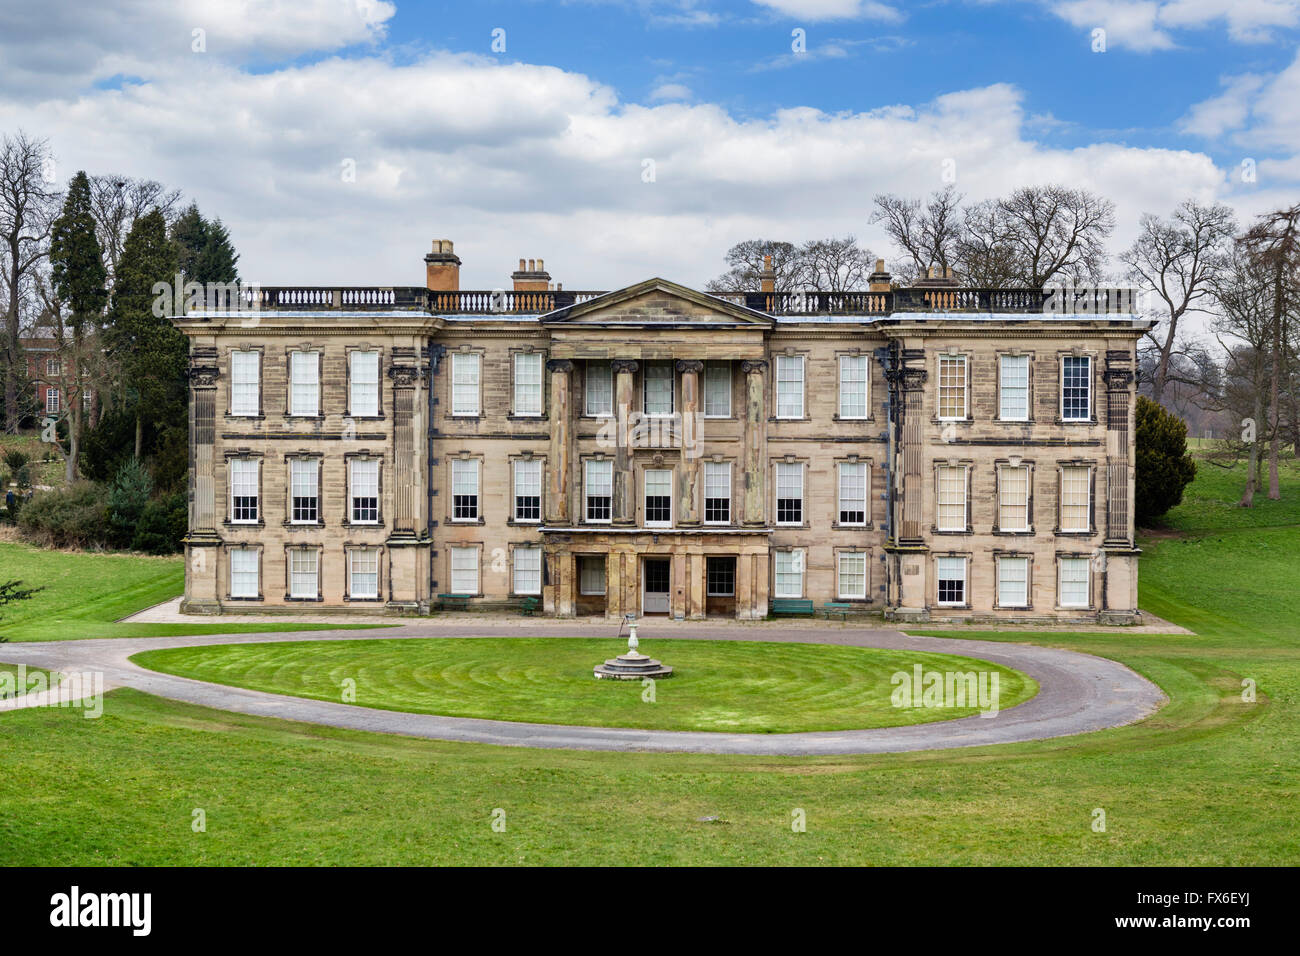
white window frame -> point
(939, 575)
(591, 584)
(309, 470)
(304, 384)
(466, 474)
(717, 390)
(1087, 499)
(354, 485)
(864, 480)
(1007, 564)
(466, 382)
(946, 360)
(241, 574)
(52, 400)
(522, 486)
(781, 576)
(658, 367)
(1087, 364)
(1017, 364)
(863, 386)
(840, 592)
(1002, 502)
(53, 367)
(788, 386)
(607, 467)
(717, 474)
(1061, 582)
(528, 392)
(532, 553)
(594, 410)
(363, 383)
(368, 554)
(298, 575)
(245, 389)
(661, 474)
(963, 471)
(237, 482)
(468, 555)
(798, 467)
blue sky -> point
(538, 151)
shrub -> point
(71, 517)
(1164, 468)
(163, 523)
(19, 465)
(127, 500)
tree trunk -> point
(139, 434)
(1252, 464)
(1275, 439)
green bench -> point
(453, 602)
(841, 608)
(527, 606)
(792, 607)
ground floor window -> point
(304, 574)
(721, 577)
(788, 574)
(952, 580)
(1013, 582)
(853, 574)
(464, 570)
(1073, 587)
(363, 573)
(243, 573)
(591, 575)
(528, 570)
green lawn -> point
(16, 680)
(85, 593)
(716, 685)
(1210, 779)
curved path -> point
(1077, 692)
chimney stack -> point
(531, 276)
(767, 278)
(442, 267)
(880, 280)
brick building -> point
(933, 452)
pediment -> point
(659, 303)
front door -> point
(654, 577)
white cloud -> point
(1148, 25)
(670, 91)
(815, 10)
(1228, 111)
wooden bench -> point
(792, 607)
(838, 607)
(453, 602)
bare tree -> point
(28, 204)
(833, 265)
(1178, 258)
(116, 202)
(928, 236)
(746, 262)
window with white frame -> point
(304, 383)
(658, 498)
(1013, 582)
(789, 386)
(465, 368)
(363, 573)
(951, 574)
(1076, 388)
(52, 366)
(243, 490)
(1013, 388)
(244, 573)
(245, 394)
(852, 574)
(528, 570)
(952, 387)
(591, 575)
(304, 490)
(1013, 498)
(365, 490)
(598, 486)
(599, 391)
(787, 574)
(1074, 588)
(528, 489)
(464, 489)
(853, 386)
(363, 381)
(1075, 495)
(304, 567)
(950, 515)
(789, 493)
(717, 492)
(528, 383)
(464, 570)
(52, 401)
(853, 492)
(657, 398)
(717, 389)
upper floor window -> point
(365, 490)
(243, 490)
(789, 493)
(304, 383)
(952, 387)
(464, 489)
(364, 379)
(245, 398)
(658, 497)
(1075, 498)
(1076, 388)
(598, 485)
(528, 489)
(304, 490)
(717, 492)
(243, 573)
(52, 366)
(465, 367)
(853, 386)
(599, 389)
(853, 492)
(1013, 498)
(789, 386)
(528, 383)
(52, 401)
(717, 389)
(1013, 387)
(658, 388)
(951, 511)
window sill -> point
(362, 600)
(303, 600)
(515, 522)
(466, 522)
(231, 597)
(244, 524)
(513, 417)
(303, 525)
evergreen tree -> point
(216, 262)
(190, 236)
(1164, 468)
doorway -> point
(720, 587)
(655, 577)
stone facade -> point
(659, 450)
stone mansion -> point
(933, 452)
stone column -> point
(558, 510)
(624, 511)
(1119, 518)
(755, 504)
(688, 479)
(911, 494)
(405, 465)
(203, 543)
